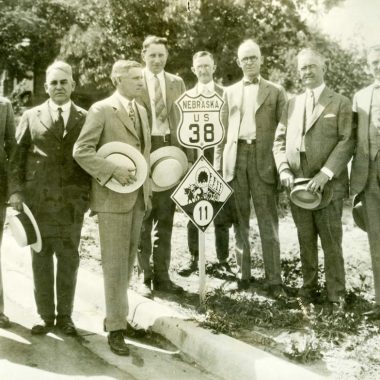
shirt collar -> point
(209, 86)
(149, 75)
(125, 101)
(317, 91)
(247, 80)
(54, 107)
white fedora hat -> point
(125, 155)
(25, 229)
(169, 164)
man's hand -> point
(318, 182)
(287, 178)
(124, 175)
(16, 200)
(148, 209)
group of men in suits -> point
(54, 169)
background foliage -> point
(92, 34)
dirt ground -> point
(344, 346)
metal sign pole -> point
(201, 259)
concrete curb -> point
(221, 355)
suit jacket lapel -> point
(323, 101)
(262, 93)
(43, 113)
(123, 116)
(145, 96)
(169, 92)
(74, 117)
(298, 117)
(366, 105)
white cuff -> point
(328, 172)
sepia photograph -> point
(189, 189)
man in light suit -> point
(45, 176)
(365, 172)
(314, 140)
(120, 215)
(160, 91)
(252, 110)
(7, 144)
(204, 68)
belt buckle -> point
(164, 138)
(249, 141)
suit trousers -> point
(159, 223)
(119, 236)
(371, 203)
(63, 241)
(247, 184)
(2, 218)
(327, 224)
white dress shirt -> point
(206, 89)
(65, 111)
(247, 130)
(125, 102)
(157, 130)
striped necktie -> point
(159, 103)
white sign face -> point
(200, 125)
(202, 193)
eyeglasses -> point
(56, 82)
(253, 58)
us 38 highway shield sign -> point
(200, 125)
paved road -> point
(55, 356)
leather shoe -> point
(42, 326)
(117, 343)
(190, 267)
(373, 314)
(243, 284)
(4, 321)
(145, 289)
(133, 332)
(277, 292)
(224, 271)
(167, 286)
(307, 295)
(66, 325)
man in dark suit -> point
(160, 91)
(313, 140)
(120, 215)
(7, 144)
(252, 110)
(365, 171)
(45, 176)
(204, 68)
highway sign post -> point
(202, 193)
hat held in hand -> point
(358, 212)
(307, 199)
(169, 165)
(25, 230)
(130, 158)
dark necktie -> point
(60, 124)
